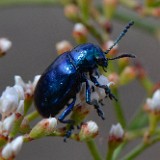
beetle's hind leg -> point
(70, 122)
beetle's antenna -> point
(122, 56)
(120, 36)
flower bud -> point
(17, 145)
(13, 148)
(71, 11)
(63, 46)
(88, 130)
(8, 123)
(153, 104)
(7, 151)
(5, 45)
(80, 33)
(116, 136)
(9, 101)
(127, 75)
(43, 128)
(19, 81)
(20, 108)
(35, 81)
(20, 91)
(116, 133)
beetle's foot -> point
(111, 96)
(69, 121)
(68, 133)
(101, 114)
(98, 108)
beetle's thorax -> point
(85, 56)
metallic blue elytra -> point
(62, 80)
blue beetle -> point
(62, 80)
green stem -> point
(139, 149)
(32, 116)
(110, 154)
(118, 109)
(118, 150)
(147, 84)
(93, 149)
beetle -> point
(62, 80)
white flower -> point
(20, 91)
(19, 81)
(154, 102)
(12, 148)
(116, 131)
(63, 46)
(5, 44)
(9, 101)
(16, 145)
(28, 88)
(52, 123)
(88, 130)
(8, 122)
(35, 81)
(20, 108)
(7, 151)
(80, 28)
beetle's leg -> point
(88, 92)
(69, 132)
(98, 108)
(105, 87)
(71, 122)
(108, 92)
(66, 112)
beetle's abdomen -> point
(59, 83)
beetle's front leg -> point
(105, 87)
(108, 92)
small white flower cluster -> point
(12, 149)
(11, 109)
(154, 102)
(12, 99)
